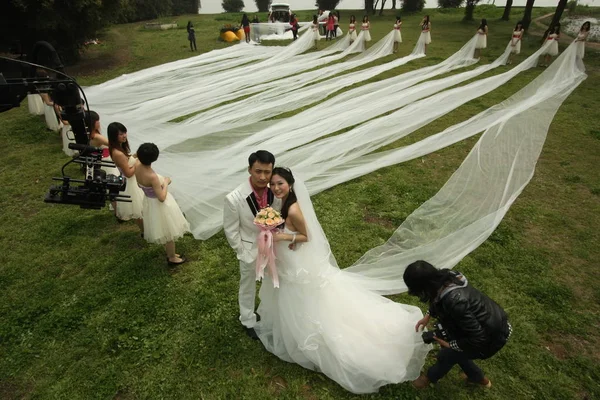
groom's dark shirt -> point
(253, 203)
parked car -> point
(280, 12)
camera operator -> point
(472, 327)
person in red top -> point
(246, 24)
(330, 27)
(295, 26)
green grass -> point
(89, 310)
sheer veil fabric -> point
(206, 160)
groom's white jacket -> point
(238, 215)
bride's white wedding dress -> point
(324, 319)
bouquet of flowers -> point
(267, 219)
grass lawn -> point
(89, 310)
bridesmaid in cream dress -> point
(515, 41)
(164, 222)
(397, 34)
(365, 27)
(426, 31)
(352, 29)
(552, 50)
(126, 164)
(482, 33)
(581, 38)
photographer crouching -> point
(470, 325)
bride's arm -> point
(296, 219)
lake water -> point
(214, 6)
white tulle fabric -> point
(207, 159)
(324, 319)
(473, 202)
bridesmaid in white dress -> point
(164, 222)
(482, 33)
(49, 113)
(426, 31)
(552, 51)
(397, 34)
(315, 30)
(323, 318)
(126, 164)
(99, 140)
(581, 38)
(515, 41)
(352, 29)
(365, 26)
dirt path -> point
(538, 29)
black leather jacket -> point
(475, 323)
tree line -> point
(67, 24)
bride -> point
(322, 317)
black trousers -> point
(448, 358)
(193, 45)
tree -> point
(185, 7)
(562, 4)
(263, 5)
(233, 5)
(327, 4)
(413, 5)
(369, 6)
(527, 15)
(506, 15)
(469, 9)
(393, 4)
(450, 3)
(382, 5)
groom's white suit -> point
(239, 211)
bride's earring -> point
(291, 189)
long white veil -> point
(469, 207)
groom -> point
(241, 206)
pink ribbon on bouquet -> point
(266, 255)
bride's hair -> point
(286, 174)
(424, 280)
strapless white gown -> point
(133, 209)
(321, 319)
